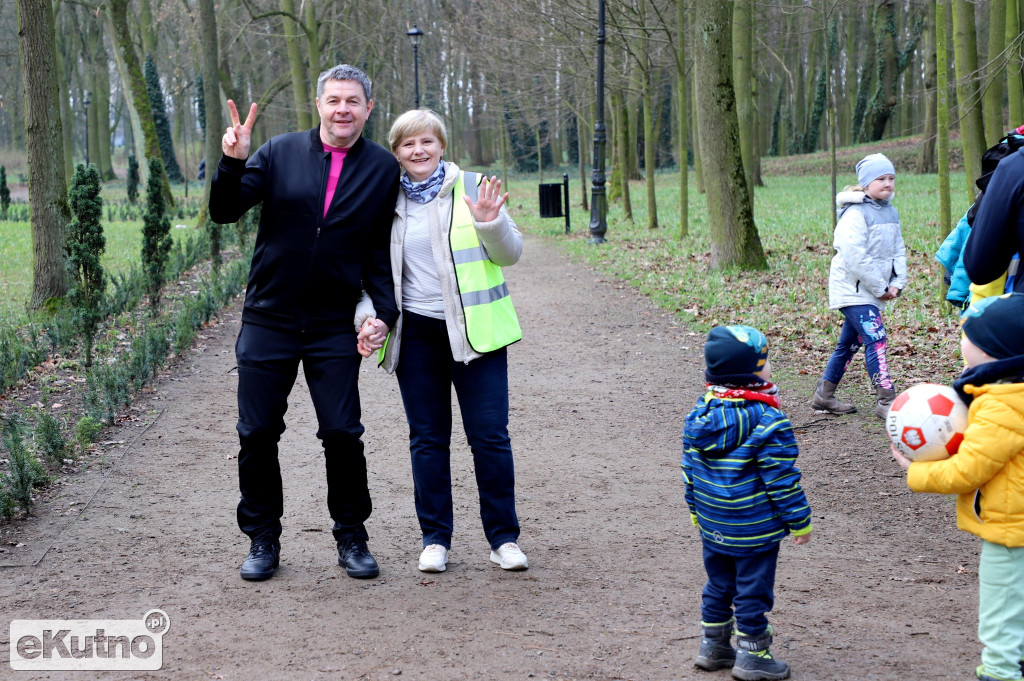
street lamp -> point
(598, 200)
(87, 103)
(415, 35)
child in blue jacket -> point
(743, 491)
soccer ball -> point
(926, 422)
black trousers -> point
(268, 361)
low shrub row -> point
(110, 385)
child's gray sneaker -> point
(716, 652)
(754, 661)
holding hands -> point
(489, 201)
(372, 335)
(235, 142)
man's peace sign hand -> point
(235, 142)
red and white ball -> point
(926, 422)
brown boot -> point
(885, 398)
(824, 399)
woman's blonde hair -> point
(414, 122)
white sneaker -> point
(434, 559)
(509, 557)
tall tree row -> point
(520, 92)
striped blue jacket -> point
(742, 483)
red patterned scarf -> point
(767, 393)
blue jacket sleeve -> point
(688, 478)
(776, 463)
(951, 256)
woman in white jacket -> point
(868, 269)
(450, 238)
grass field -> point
(124, 244)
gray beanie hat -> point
(872, 167)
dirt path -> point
(600, 386)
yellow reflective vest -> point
(491, 321)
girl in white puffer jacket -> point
(869, 269)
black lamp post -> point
(598, 200)
(415, 35)
(86, 102)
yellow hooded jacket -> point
(988, 470)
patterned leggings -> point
(862, 326)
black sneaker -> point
(263, 559)
(355, 557)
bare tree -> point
(734, 237)
(47, 184)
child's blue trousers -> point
(740, 586)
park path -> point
(599, 389)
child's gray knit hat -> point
(872, 167)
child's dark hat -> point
(996, 325)
(735, 350)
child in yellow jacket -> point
(988, 475)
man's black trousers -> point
(268, 361)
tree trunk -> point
(620, 167)
(582, 158)
(47, 184)
(734, 237)
(742, 69)
(972, 132)
(811, 87)
(1014, 85)
(300, 78)
(846, 134)
(92, 122)
(211, 91)
(117, 13)
(994, 72)
(926, 159)
(681, 116)
(864, 83)
(698, 165)
(67, 122)
(883, 100)
(650, 150)
(101, 98)
(312, 27)
(147, 28)
(942, 123)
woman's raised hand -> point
(235, 142)
(489, 201)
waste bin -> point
(551, 200)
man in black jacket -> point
(328, 197)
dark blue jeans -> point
(426, 373)
(268, 362)
(862, 326)
(745, 584)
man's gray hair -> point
(343, 72)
